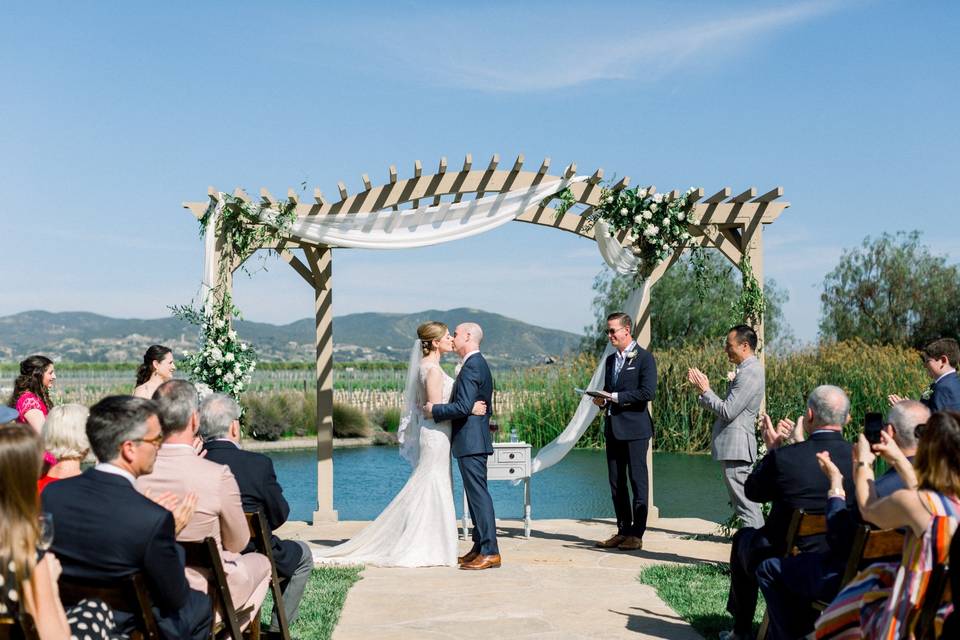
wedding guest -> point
(883, 600)
(791, 585)
(260, 491)
(65, 436)
(28, 575)
(940, 359)
(105, 529)
(219, 514)
(31, 391)
(631, 380)
(734, 443)
(157, 367)
(789, 477)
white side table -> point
(509, 461)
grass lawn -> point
(698, 593)
(322, 602)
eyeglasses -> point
(919, 429)
(156, 442)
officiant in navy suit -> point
(940, 359)
(631, 379)
(471, 444)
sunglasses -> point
(610, 332)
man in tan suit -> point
(179, 470)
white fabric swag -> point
(624, 262)
(405, 229)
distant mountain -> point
(88, 337)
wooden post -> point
(752, 246)
(321, 263)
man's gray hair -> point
(830, 406)
(178, 401)
(905, 416)
(116, 419)
(473, 329)
(217, 413)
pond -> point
(365, 479)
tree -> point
(891, 290)
(686, 306)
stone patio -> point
(554, 585)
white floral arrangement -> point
(657, 223)
(224, 363)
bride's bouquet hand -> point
(479, 408)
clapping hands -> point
(829, 469)
(774, 437)
(698, 379)
(894, 399)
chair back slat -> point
(128, 594)
(262, 542)
(205, 555)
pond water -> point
(365, 479)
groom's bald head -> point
(467, 337)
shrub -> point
(277, 414)
(349, 422)
(387, 419)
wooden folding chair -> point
(128, 594)
(206, 555)
(870, 546)
(802, 525)
(262, 542)
(20, 627)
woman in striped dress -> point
(883, 601)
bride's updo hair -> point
(428, 332)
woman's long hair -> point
(937, 462)
(21, 455)
(31, 379)
(156, 353)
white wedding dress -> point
(418, 528)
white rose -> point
(238, 387)
(232, 334)
(623, 211)
(647, 215)
(243, 346)
(658, 198)
(219, 324)
(638, 218)
(609, 199)
(681, 216)
(237, 369)
(665, 221)
(216, 355)
(229, 357)
(642, 193)
(219, 371)
(228, 378)
(685, 236)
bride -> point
(418, 528)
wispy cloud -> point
(524, 56)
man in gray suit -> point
(734, 431)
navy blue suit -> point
(105, 529)
(470, 444)
(627, 429)
(946, 394)
(790, 478)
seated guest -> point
(157, 367)
(260, 491)
(28, 576)
(105, 529)
(179, 470)
(65, 435)
(789, 477)
(940, 359)
(883, 600)
(791, 585)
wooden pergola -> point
(732, 224)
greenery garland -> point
(223, 362)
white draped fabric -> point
(405, 229)
(622, 261)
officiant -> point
(631, 381)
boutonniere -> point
(926, 395)
(630, 355)
(731, 375)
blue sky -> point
(113, 113)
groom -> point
(471, 443)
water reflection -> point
(367, 478)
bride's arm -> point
(434, 385)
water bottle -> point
(513, 435)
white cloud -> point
(526, 52)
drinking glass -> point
(46, 531)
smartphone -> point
(872, 426)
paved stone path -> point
(554, 585)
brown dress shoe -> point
(482, 562)
(468, 557)
(631, 543)
(611, 542)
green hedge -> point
(867, 372)
(270, 416)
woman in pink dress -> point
(31, 391)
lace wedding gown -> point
(418, 528)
